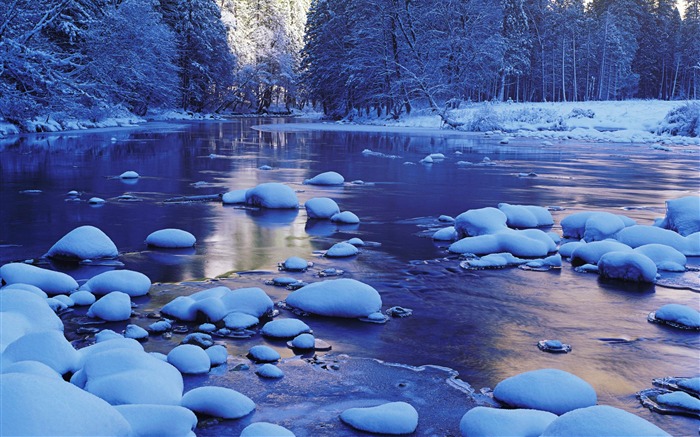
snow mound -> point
(683, 215)
(391, 418)
(681, 314)
(486, 422)
(627, 266)
(680, 399)
(114, 307)
(218, 402)
(31, 367)
(263, 354)
(592, 252)
(24, 312)
(550, 390)
(635, 236)
(83, 297)
(601, 421)
(303, 341)
(284, 328)
(236, 320)
(265, 429)
(135, 332)
(321, 208)
(189, 359)
(526, 243)
(127, 281)
(482, 221)
(84, 242)
(526, 216)
(171, 239)
(130, 174)
(159, 420)
(216, 303)
(295, 263)
(234, 197)
(269, 371)
(35, 405)
(345, 217)
(26, 287)
(217, 355)
(665, 257)
(272, 195)
(337, 298)
(49, 281)
(112, 343)
(326, 178)
(340, 250)
(47, 347)
(495, 260)
(603, 225)
(445, 234)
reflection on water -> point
(484, 324)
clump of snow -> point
(682, 120)
(526, 216)
(526, 243)
(236, 320)
(284, 328)
(295, 263)
(24, 312)
(683, 215)
(190, 359)
(342, 249)
(345, 217)
(269, 371)
(680, 314)
(234, 197)
(49, 281)
(84, 242)
(445, 234)
(592, 252)
(217, 355)
(550, 390)
(263, 354)
(326, 178)
(127, 281)
(567, 249)
(272, 195)
(495, 260)
(635, 236)
(357, 242)
(337, 298)
(553, 261)
(265, 429)
(482, 221)
(218, 402)
(680, 399)
(136, 332)
(593, 225)
(303, 341)
(216, 303)
(393, 418)
(171, 238)
(601, 421)
(31, 367)
(665, 257)
(159, 420)
(96, 201)
(321, 208)
(627, 266)
(113, 307)
(130, 174)
(36, 405)
(49, 347)
(486, 422)
(26, 287)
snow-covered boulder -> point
(189, 359)
(48, 347)
(594, 225)
(83, 298)
(590, 253)
(263, 354)
(24, 312)
(326, 178)
(216, 303)
(321, 208)
(526, 243)
(171, 239)
(49, 281)
(295, 264)
(337, 298)
(627, 266)
(679, 399)
(130, 174)
(445, 234)
(236, 320)
(526, 216)
(550, 390)
(341, 250)
(26, 287)
(665, 257)
(135, 332)
(84, 242)
(113, 307)
(36, 405)
(32, 367)
(159, 420)
(486, 422)
(218, 402)
(482, 221)
(679, 314)
(683, 215)
(495, 260)
(269, 371)
(265, 429)
(303, 341)
(113, 343)
(346, 218)
(393, 418)
(635, 236)
(234, 197)
(127, 281)
(601, 421)
(272, 195)
(284, 328)
(217, 355)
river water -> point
(483, 324)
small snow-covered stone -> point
(67, 301)
(113, 307)
(446, 219)
(284, 328)
(269, 371)
(337, 298)
(326, 178)
(321, 208)
(294, 263)
(627, 266)
(49, 281)
(263, 354)
(265, 429)
(171, 238)
(635, 236)
(238, 320)
(234, 197)
(136, 332)
(129, 175)
(96, 201)
(340, 250)
(486, 422)
(272, 195)
(601, 421)
(189, 359)
(83, 298)
(304, 341)
(356, 242)
(159, 420)
(680, 399)
(445, 234)
(391, 418)
(526, 216)
(218, 402)
(84, 242)
(127, 281)
(345, 217)
(217, 354)
(680, 314)
(602, 225)
(495, 260)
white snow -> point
(342, 249)
(48, 347)
(681, 314)
(665, 257)
(26, 287)
(635, 236)
(590, 253)
(683, 215)
(217, 354)
(482, 221)
(304, 341)
(567, 249)
(234, 197)
(445, 234)
(337, 298)
(127, 281)
(84, 242)
(269, 371)
(218, 402)
(326, 178)
(265, 429)
(189, 359)
(216, 303)
(159, 420)
(487, 422)
(31, 367)
(525, 243)
(236, 320)
(627, 266)
(112, 307)
(171, 238)
(345, 217)
(550, 390)
(24, 312)
(135, 332)
(263, 354)
(393, 418)
(67, 301)
(601, 421)
(294, 263)
(96, 201)
(130, 174)
(272, 195)
(321, 208)
(526, 216)
(284, 328)
(49, 281)
(593, 225)
(680, 399)
(357, 242)
(105, 344)
(495, 260)
(690, 383)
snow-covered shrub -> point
(683, 120)
(581, 113)
(485, 118)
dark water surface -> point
(484, 324)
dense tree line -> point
(385, 55)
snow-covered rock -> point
(526, 216)
(113, 307)
(236, 320)
(601, 421)
(526, 243)
(550, 390)
(342, 249)
(346, 218)
(665, 257)
(24, 312)
(130, 174)
(127, 281)
(567, 249)
(486, 422)
(627, 266)
(594, 225)
(189, 359)
(482, 221)
(216, 303)
(217, 355)
(96, 201)
(326, 178)
(304, 341)
(495, 260)
(265, 429)
(445, 234)
(295, 263)
(31, 367)
(42, 406)
(48, 347)
(635, 236)
(321, 208)
(337, 298)
(171, 239)
(269, 371)
(263, 354)
(218, 402)
(680, 399)
(284, 328)
(234, 197)
(113, 343)
(683, 215)
(84, 242)
(83, 298)
(272, 195)
(49, 281)
(680, 314)
(26, 287)
(591, 253)
(393, 418)
(158, 420)
(135, 332)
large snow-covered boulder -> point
(127, 281)
(321, 208)
(590, 253)
(594, 225)
(326, 178)
(113, 307)
(36, 405)
(393, 418)
(171, 239)
(337, 298)
(526, 243)
(272, 195)
(486, 422)
(627, 266)
(48, 347)
(550, 390)
(526, 216)
(84, 242)
(23, 312)
(683, 215)
(159, 420)
(635, 236)
(665, 257)
(218, 402)
(601, 421)
(216, 303)
(49, 281)
(482, 221)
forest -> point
(94, 58)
